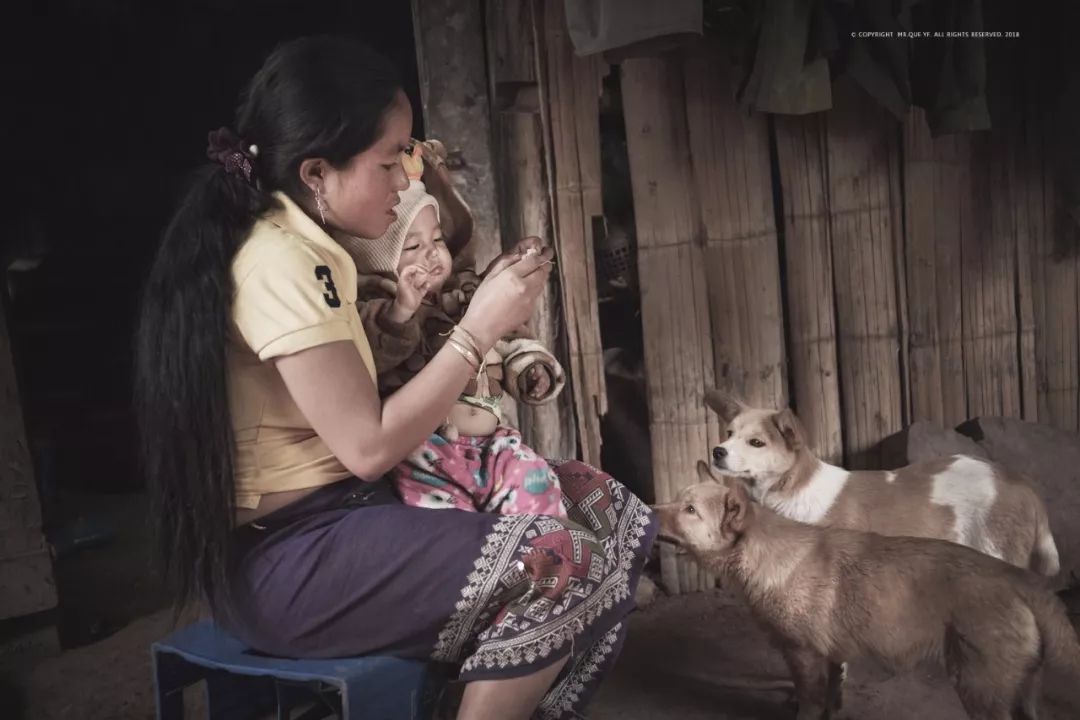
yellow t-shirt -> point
(295, 288)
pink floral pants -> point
(497, 473)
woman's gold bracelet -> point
(468, 336)
(467, 353)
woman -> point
(264, 437)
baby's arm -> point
(392, 343)
(388, 313)
(531, 373)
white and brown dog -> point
(827, 595)
(964, 499)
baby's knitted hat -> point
(382, 254)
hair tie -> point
(226, 148)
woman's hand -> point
(511, 256)
(507, 296)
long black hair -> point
(319, 97)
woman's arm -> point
(334, 391)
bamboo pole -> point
(865, 225)
(569, 89)
(522, 193)
(672, 275)
(1055, 291)
(988, 262)
(733, 176)
(938, 197)
(811, 311)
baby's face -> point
(425, 248)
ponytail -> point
(316, 97)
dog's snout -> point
(719, 453)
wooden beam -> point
(570, 103)
(524, 203)
(674, 296)
(454, 94)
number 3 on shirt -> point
(322, 272)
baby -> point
(412, 294)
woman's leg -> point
(513, 699)
(582, 576)
(506, 597)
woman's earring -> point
(321, 204)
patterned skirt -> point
(344, 572)
(493, 473)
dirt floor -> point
(686, 658)
(700, 656)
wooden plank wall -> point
(1057, 338)
(993, 313)
(808, 272)
(1025, 290)
(865, 225)
(841, 195)
(971, 312)
(525, 207)
(854, 266)
(1054, 287)
(731, 172)
(989, 283)
(673, 280)
(937, 205)
(453, 90)
(918, 276)
(569, 103)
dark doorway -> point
(109, 104)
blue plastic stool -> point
(242, 683)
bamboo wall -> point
(911, 279)
(847, 264)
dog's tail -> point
(1060, 645)
(1044, 556)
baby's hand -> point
(449, 431)
(537, 381)
(411, 288)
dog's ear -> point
(704, 473)
(730, 481)
(723, 404)
(789, 427)
(736, 509)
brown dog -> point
(828, 595)
(964, 499)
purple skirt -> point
(345, 572)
